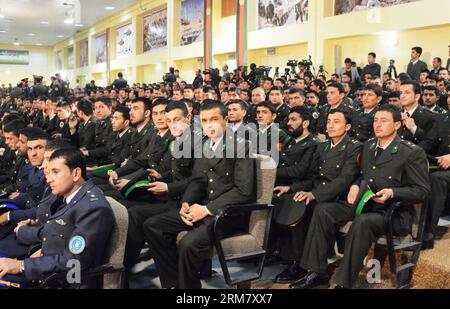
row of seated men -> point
(155, 146)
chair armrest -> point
(88, 273)
(232, 209)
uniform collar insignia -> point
(395, 149)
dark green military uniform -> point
(402, 167)
(424, 120)
(332, 171)
(103, 138)
(140, 140)
(177, 180)
(265, 137)
(437, 144)
(84, 137)
(282, 114)
(362, 125)
(323, 117)
(216, 183)
(295, 159)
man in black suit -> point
(218, 180)
(416, 120)
(448, 60)
(120, 83)
(416, 66)
(373, 68)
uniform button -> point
(212, 191)
(390, 177)
(337, 166)
(324, 183)
(45, 239)
(211, 170)
(374, 167)
(321, 174)
(228, 174)
(211, 180)
(320, 167)
(371, 180)
(48, 222)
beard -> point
(297, 132)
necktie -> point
(379, 152)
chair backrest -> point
(266, 171)
(116, 247)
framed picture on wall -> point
(100, 49)
(84, 53)
(58, 60)
(124, 41)
(19, 57)
(155, 30)
(281, 13)
(70, 57)
(192, 17)
(349, 6)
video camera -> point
(392, 69)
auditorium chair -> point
(406, 248)
(111, 272)
(251, 244)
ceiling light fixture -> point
(68, 21)
(31, 34)
(60, 36)
(79, 25)
(38, 44)
(16, 43)
(2, 31)
(2, 16)
(109, 8)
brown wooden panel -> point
(228, 8)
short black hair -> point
(73, 159)
(57, 144)
(125, 111)
(104, 100)
(415, 85)
(348, 60)
(337, 85)
(319, 83)
(188, 87)
(11, 117)
(85, 106)
(37, 134)
(241, 103)
(181, 105)
(160, 101)
(14, 127)
(373, 54)
(394, 94)
(418, 50)
(394, 110)
(347, 116)
(432, 88)
(64, 104)
(304, 112)
(296, 90)
(212, 104)
(375, 88)
(268, 105)
(147, 103)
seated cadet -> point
(37, 117)
(431, 97)
(9, 245)
(64, 113)
(270, 136)
(170, 185)
(50, 119)
(156, 156)
(217, 181)
(11, 160)
(416, 120)
(298, 148)
(82, 127)
(394, 170)
(282, 108)
(23, 168)
(332, 169)
(437, 144)
(28, 194)
(120, 124)
(335, 96)
(78, 228)
(140, 119)
(99, 152)
(363, 122)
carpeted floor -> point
(432, 272)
